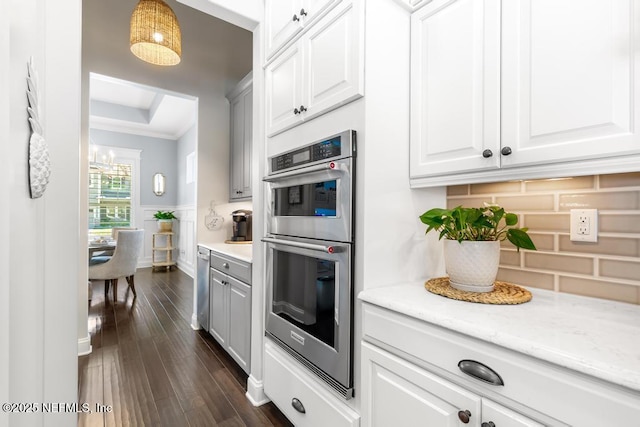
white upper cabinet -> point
(286, 18)
(568, 79)
(455, 87)
(321, 71)
(523, 89)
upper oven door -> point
(315, 202)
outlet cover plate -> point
(584, 225)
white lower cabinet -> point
(301, 397)
(230, 310)
(397, 392)
(411, 375)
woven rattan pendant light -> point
(155, 33)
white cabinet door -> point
(218, 306)
(241, 145)
(398, 393)
(569, 75)
(284, 19)
(282, 22)
(321, 71)
(455, 87)
(503, 417)
(240, 323)
(283, 80)
(333, 52)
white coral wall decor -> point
(39, 164)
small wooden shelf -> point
(163, 255)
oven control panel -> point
(335, 147)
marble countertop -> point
(241, 251)
(596, 337)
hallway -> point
(153, 369)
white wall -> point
(39, 246)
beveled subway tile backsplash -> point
(607, 269)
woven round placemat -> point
(503, 292)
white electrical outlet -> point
(584, 225)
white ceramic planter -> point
(472, 266)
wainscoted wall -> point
(183, 239)
(607, 269)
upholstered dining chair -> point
(123, 263)
(104, 256)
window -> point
(111, 194)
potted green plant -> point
(472, 242)
(165, 220)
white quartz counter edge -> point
(243, 252)
(589, 335)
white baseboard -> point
(255, 392)
(194, 322)
(84, 346)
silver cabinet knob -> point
(295, 18)
(487, 153)
(488, 424)
(297, 405)
(225, 265)
(506, 151)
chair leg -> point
(106, 287)
(115, 289)
(132, 284)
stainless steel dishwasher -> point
(202, 296)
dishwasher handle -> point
(203, 255)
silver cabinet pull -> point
(480, 372)
(488, 424)
(506, 151)
(225, 265)
(487, 153)
(297, 405)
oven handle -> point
(332, 166)
(317, 248)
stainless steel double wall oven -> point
(310, 249)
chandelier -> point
(155, 33)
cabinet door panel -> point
(218, 326)
(568, 79)
(280, 26)
(240, 323)
(396, 392)
(241, 145)
(455, 86)
(504, 417)
(333, 62)
(283, 79)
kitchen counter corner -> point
(243, 252)
(589, 335)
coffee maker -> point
(241, 225)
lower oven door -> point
(310, 303)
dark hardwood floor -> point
(153, 369)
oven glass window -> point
(316, 199)
(304, 294)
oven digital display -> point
(300, 157)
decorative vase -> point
(165, 225)
(472, 266)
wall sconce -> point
(158, 184)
